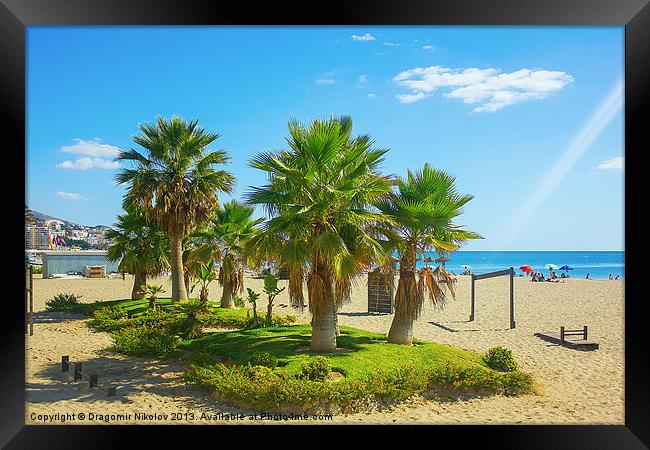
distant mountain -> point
(42, 217)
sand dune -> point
(574, 386)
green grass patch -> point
(371, 369)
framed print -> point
(356, 215)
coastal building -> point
(36, 237)
(75, 261)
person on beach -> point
(587, 277)
(617, 277)
(611, 277)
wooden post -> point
(512, 298)
(93, 380)
(585, 331)
(562, 334)
(65, 363)
(31, 301)
(471, 316)
(77, 371)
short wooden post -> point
(77, 371)
(471, 316)
(92, 382)
(585, 331)
(111, 391)
(31, 301)
(562, 334)
(512, 298)
(65, 363)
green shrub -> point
(239, 302)
(144, 341)
(63, 302)
(316, 368)
(517, 383)
(265, 359)
(37, 269)
(500, 358)
(109, 318)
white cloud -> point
(363, 37)
(390, 44)
(427, 47)
(94, 154)
(362, 79)
(371, 95)
(88, 163)
(92, 148)
(325, 81)
(616, 163)
(69, 196)
(489, 88)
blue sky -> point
(528, 119)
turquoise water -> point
(597, 264)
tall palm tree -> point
(175, 182)
(423, 208)
(140, 246)
(229, 233)
(318, 198)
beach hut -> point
(381, 289)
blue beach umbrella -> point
(565, 267)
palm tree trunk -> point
(401, 329)
(323, 334)
(226, 297)
(269, 313)
(139, 281)
(336, 320)
(179, 292)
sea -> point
(598, 264)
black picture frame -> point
(16, 15)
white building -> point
(36, 237)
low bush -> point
(500, 358)
(63, 303)
(144, 341)
(317, 368)
(239, 302)
(517, 383)
(109, 318)
(265, 359)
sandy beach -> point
(574, 387)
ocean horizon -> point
(598, 264)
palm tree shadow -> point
(451, 329)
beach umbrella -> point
(565, 267)
(526, 268)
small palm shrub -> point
(63, 303)
(190, 326)
(501, 358)
(265, 359)
(316, 368)
(239, 302)
(152, 293)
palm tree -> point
(204, 276)
(423, 208)
(229, 234)
(140, 246)
(175, 182)
(151, 292)
(318, 198)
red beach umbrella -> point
(527, 268)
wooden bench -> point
(561, 338)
